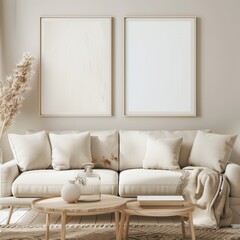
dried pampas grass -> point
(12, 91)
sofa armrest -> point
(233, 175)
(8, 173)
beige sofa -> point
(118, 158)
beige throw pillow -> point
(104, 147)
(70, 150)
(31, 151)
(212, 150)
(162, 153)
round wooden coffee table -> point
(107, 204)
(133, 208)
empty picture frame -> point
(75, 66)
(160, 66)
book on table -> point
(161, 200)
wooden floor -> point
(27, 216)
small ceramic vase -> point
(70, 192)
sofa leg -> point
(9, 214)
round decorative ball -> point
(70, 192)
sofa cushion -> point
(31, 151)
(212, 150)
(133, 146)
(162, 153)
(43, 183)
(104, 147)
(70, 150)
(134, 182)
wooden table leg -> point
(120, 231)
(182, 226)
(10, 214)
(126, 226)
(191, 225)
(47, 225)
(63, 226)
(117, 222)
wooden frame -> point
(160, 66)
(76, 66)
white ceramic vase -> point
(70, 192)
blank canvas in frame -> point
(75, 66)
(160, 62)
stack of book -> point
(163, 200)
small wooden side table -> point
(107, 204)
(133, 208)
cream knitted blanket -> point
(209, 192)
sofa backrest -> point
(133, 146)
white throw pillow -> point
(70, 150)
(212, 150)
(31, 151)
(162, 153)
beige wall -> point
(1, 45)
(218, 61)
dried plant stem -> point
(12, 91)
